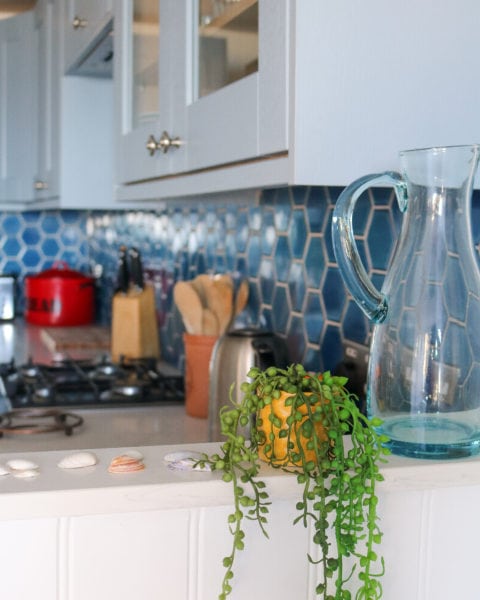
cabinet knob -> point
(40, 185)
(163, 144)
(78, 22)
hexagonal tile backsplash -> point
(278, 239)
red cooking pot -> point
(59, 296)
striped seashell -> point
(125, 464)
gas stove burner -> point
(43, 421)
(106, 371)
(70, 383)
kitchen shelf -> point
(241, 16)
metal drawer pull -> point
(78, 23)
(40, 185)
(164, 143)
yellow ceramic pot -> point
(279, 453)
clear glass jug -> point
(424, 369)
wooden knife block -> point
(134, 325)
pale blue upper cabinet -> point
(341, 87)
(199, 84)
(83, 22)
(18, 104)
(46, 55)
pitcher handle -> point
(373, 303)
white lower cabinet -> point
(29, 559)
(429, 547)
(161, 534)
(126, 556)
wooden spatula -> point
(241, 298)
(201, 283)
(220, 301)
(190, 306)
(209, 322)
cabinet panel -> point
(143, 115)
(247, 118)
(218, 115)
(125, 556)
(84, 19)
(46, 184)
(28, 555)
(18, 101)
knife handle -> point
(122, 271)
(136, 268)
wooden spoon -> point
(241, 298)
(201, 283)
(220, 301)
(209, 322)
(190, 306)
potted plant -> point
(298, 422)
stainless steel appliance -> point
(232, 357)
(7, 297)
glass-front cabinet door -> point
(200, 84)
(139, 70)
(236, 78)
(225, 43)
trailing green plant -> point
(298, 422)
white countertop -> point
(114, 427)
(138, 425)
(93, 490)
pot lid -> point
(60, 270)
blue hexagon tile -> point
(279, 239)
(34, 240)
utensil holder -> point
(198, 350)
(134, 325)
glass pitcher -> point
(424, 368)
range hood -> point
(97, 60)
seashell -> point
(4, 471)
(134, 454)
(125, 464)
(25, 473)
(21, 464)
(182, 455)
(78, 460)
(185, 461)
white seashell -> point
(180, 455)
(21, 464)
(134, 454)
(4, 471)
(185, 461)
(25, 474)
(78, 460)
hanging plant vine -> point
(298, 422)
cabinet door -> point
(236, 77)
(30, 559)
(18, 96)
(221, 87)
(47, 172)
(142, 555)
(84, 19)
(144, 61)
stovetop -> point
(74, 383)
